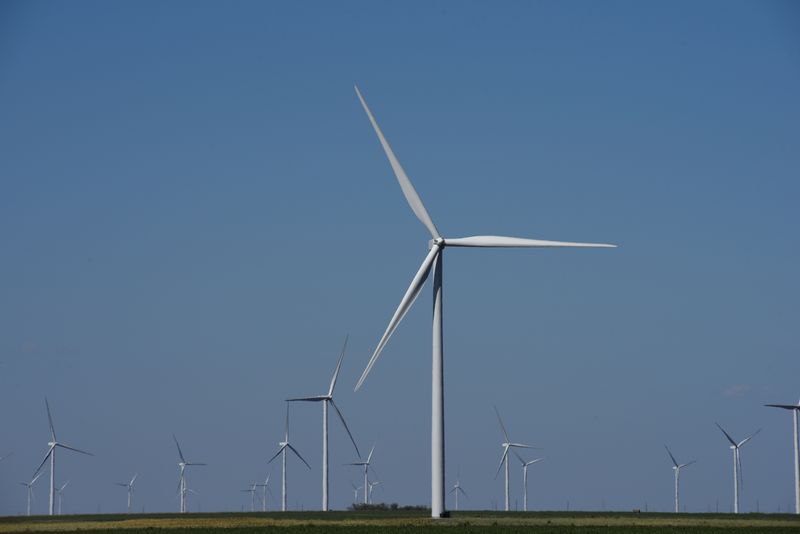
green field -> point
(407, 522)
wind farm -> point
(224, 223)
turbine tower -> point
(434, 261)
(283, 446)
(795, 409)
(457, 489)
(183, 464)
(60, 493)
(53, 444)
(129, 486)
(738, 480)
(29, 489)
(325, 400)
(525, 466)
(507, 445)
(677, 468)
(264, 489)
(367, 466)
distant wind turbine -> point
(458, 489)
(129, 486)
(355, 491)
(795, 409)
(283, 447)
(434, 261)
(29, 489)
(53, 444)
(507, 445)
(252, 491)
(371, 487)
(325, 400)
(677, 468)
(525, 466)
(265, 490)
(60, 493)
(183, 464)
(367, 466)
(738, 479)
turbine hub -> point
(438, 242)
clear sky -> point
(194, 212)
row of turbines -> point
(432, 263)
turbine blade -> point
(784, 406)
(494, 241)
(338, 367)
(464, 493)
(298, 455)
(674, 461)
(286, 428)
(726, 434)
(748, 438)
(341, 418)
(280, 450)
(134, 478)
(405, 184)
(196, 463)
(369, 458)
(518, 457)
(536, 461)
(452, 490)
(309, 399)
(64, 486)
(46, 456)
(505, 433)
(121, 484)
(50, 420)
(73, 449)
(180, 452)
(502, 459)
(523, 446)
(405, 304)
(36, 477)
(686, 464)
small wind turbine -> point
(283, 446)
(507, 445)
(129, 486)
(265, 490)
(738, 479)
(53, 444)
(29, 489)
(371, 487)
(252, 491)
(525, 466)
(60, 493)
(677, 468)
(795, 409)
(457, 489)
(366, 464)
(325, 400)
(433, 261)
(355, 491)
(183, 464)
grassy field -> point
(408, 522)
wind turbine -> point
(53, 444)
(371, 487)
(129, 486)
(737, 465)
(434, 261)
(795, 409)
(265, 490)
(283, 446)
(60, 493)
(325, 400)
(366, 463)
(183, 464)
(29, 486)
(252, 491)
(355, 491)
(507, 445)
(457, 489)
(677, 468)
(525, 466)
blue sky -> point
(195, 211)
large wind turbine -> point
(677, 468)
(325, 400)
(129, 486)
(795, 409)
(507, 445)
(60, 493)
(265, 490)
(737, 465)
(457, 489)
(367, 466)
(53, 444)
(29, 488)
(183, 464)
(525, 466)
(283, 446)
(433, 261)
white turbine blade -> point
(518, 457)
(405, 184)
(73, 449)
(36, 477)
(286, 428)
(280, 450)
(180, 452)
(134, 479)
(686, 464)
(338, 367)
(298, 455)
(195, 463)
(523, 446)
(341, 418)
(64, 486)
(502, 241)
(46, 456)
(536, 461)
(748, 438)
(674, 461)
(502, 459)
(452, 490)
(50, 420)
(369, 458)
(316, 398)
(124, 485)
(408, 299)
(505, 433)
(726, 434)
